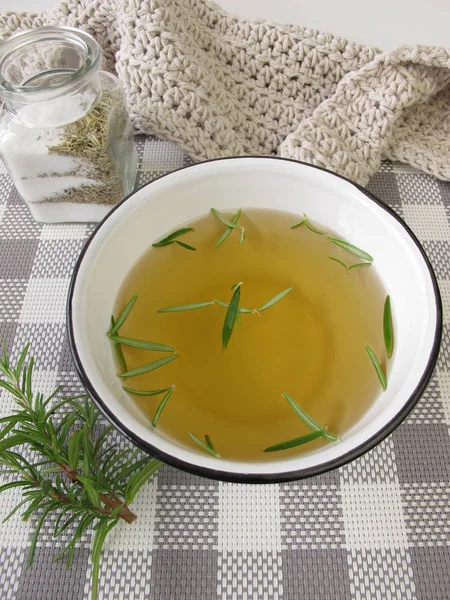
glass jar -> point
(65, 136)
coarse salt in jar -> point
(65, 136)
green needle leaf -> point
(208, 446)
(350, 248)
(298, 224)
(311, 228)
(308, 420)
(168, 240)
(303, 439)
(229, 224)
(377, 367)
(183, 245)
(99, 539)
(230, 317)
(156, 364)
(144, 392)
(275, 299)
(126, 311)
(388, 327)
(339, 262)
(161, 407)
(359, 265)
(143, 345)
(73, 448)
(228, 230)
(183, 307)
(119, 351)
(136, 482)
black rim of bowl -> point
(261, 477)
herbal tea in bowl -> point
(254, 319)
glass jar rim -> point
(78, 37)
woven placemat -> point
(377, 528)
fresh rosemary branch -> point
(388, 328)
(230, 226)
(378, 369)
(61, 457)
(170, 239)
(207, 445)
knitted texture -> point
(219, 85)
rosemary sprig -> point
(378, 369)
(299, 441)
(388, 328)
(141, 344)
(230, 317)
(299, 224)
(308, 420)
(94, 482)
(230, 225)
(184, 307)
(206, 445)
(161, 406)
(156, 364)
(350, 248)
(170, 239)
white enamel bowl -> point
(228, 184)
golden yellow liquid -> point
(310, 344)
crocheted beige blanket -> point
(220, 85)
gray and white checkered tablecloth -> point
(377, 528)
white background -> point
(382, 23)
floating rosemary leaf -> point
(230, 317)
(310, 227)
(208, 446)
(351, 267)
(119, 351)
(350, 248)
(299, 224)
(299, 441)
(228, 230)
(359, 265)
(170, 239)
(156, 364)
(121, 320)
(183, 245)
(146, 392)
(183, 307)
(238, 319)
(308, 420)
(161, 407)
(230, 224)
(275, 299)
(141, 344)
(388, 328)
(377, 367)
(339, 262)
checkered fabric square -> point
(378, 528)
